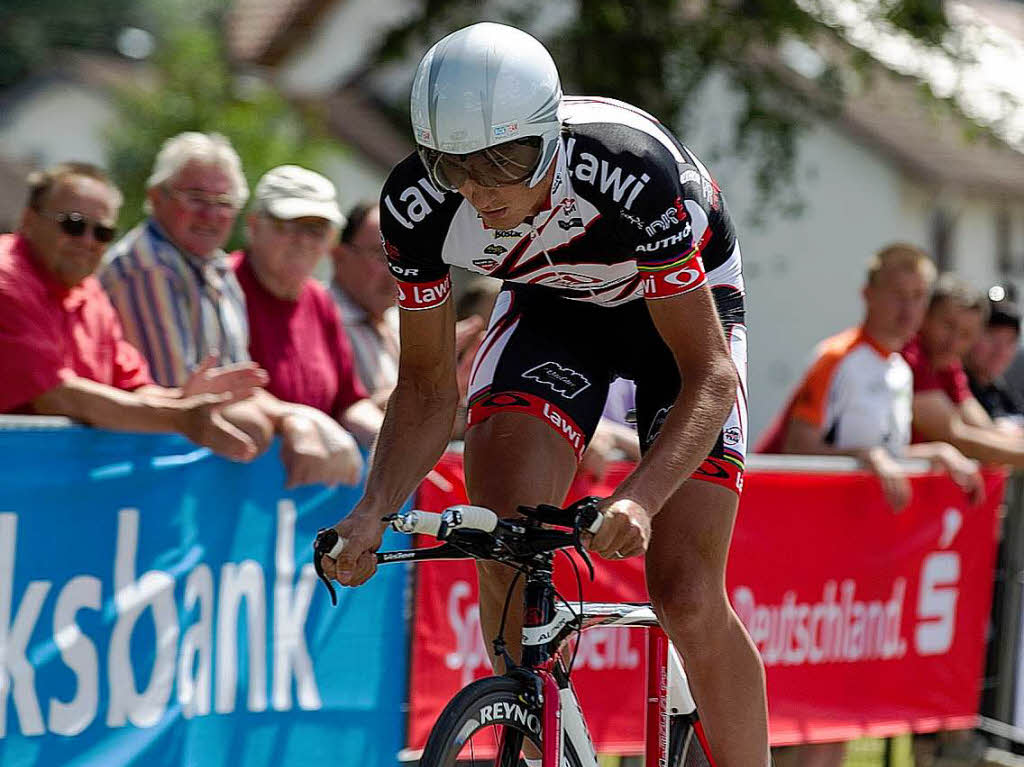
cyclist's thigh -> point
(536, 395)
(690, 541)
(513, 459)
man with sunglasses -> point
(61, 343)
(620, 260)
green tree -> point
(194, 89)
(33, 32)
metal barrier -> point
(1001, 713)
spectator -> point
(295, 328)
(179, 300)
(855, 399)
(944, 408)
(61, 340)
(990, 357)
(365, 293)
(168, 277)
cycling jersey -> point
(856, 393)
(632, 214)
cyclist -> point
(619, 259)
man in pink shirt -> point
(295, 330)
(61, 342)
(944, 408)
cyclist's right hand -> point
(357, 561)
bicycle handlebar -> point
(476, 532)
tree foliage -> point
(195, 90)
(32, 33)
(658, 53)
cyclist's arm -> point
(420, 413)
(690, 326)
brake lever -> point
(578, 545)
(326, 540)
(584, 518)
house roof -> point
(264, 31)
(978, 67)
(931, 140)
(358, 121)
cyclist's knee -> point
(689, 607)
(494, 577)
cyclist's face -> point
(505, 207)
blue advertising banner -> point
(158, 606)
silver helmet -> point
(482, 86)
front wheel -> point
(488, 724)
(687, 744)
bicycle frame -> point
(547, 626)
(667, 690)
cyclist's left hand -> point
(626, 530)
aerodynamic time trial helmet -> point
(485, 105)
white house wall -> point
(60, 122)
(804, 274)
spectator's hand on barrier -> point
(895, 485)
(962, 470)
(248, 416)
(625, 532)
(314, 453)
(241, 379)
(203, 421)
(356, 563)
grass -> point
(866, 752)
(871, 753)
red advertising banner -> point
(869, 622)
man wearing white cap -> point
(295, 329)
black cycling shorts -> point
(553, 358)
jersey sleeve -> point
(672, 226)
(810, 402)
(414, 218)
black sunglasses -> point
(75, 224)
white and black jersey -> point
(632, 214)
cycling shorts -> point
(553, 358)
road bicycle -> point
(530, 716)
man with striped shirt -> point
(169, 277)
